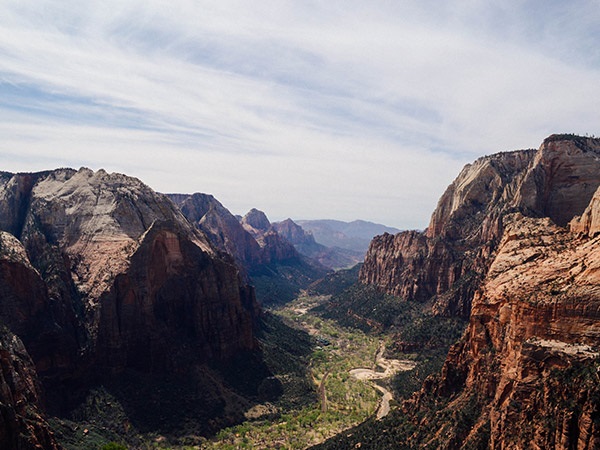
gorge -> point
(150, 305)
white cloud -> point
(310, 109)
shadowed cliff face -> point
(445, 264)
(22, 425)
(266, 257)
(526, 370)
(102, 275)
(173, 307)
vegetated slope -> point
(276, 269)
(525, 373)
(107, 284)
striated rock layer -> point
(525, 374)
(445, 264)
(99, 275)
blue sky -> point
(309, 109)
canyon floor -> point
(349, 373)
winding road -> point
(390, 368)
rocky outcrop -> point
(445, 264)
(174, 307)
(304, 242)
(589, 222)
(22, 425)
(100, 275)
(296, 235)
(267, 259)
(256, 222)
(223, 229)
(525, 371)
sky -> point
(339, 109)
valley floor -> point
(349, 372)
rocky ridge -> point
(445, 264)
(530, 354)
(269, 260)
(101, 275)
(525, 372)
(305, 243)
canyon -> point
(119, 298)
(513, 245)
(102, 277)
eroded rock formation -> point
(525, 374)
(445, 264)
(516, 237)
(22, 425)
(266, 257)
(101, 275)
(304, 242)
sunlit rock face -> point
(100, 274)
(446, 263)
(223, 229)
(525, 372)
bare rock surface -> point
(445, 264)
(100, 276)
(22, 425)
(526, 368)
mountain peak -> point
(256, 220)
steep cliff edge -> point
(223, 229)
(530, 353)
(22, 294)
(267, 259)
(22, 425)
(105, 276)
(445, 264)
(525, 373)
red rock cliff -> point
(525, 374)
(106, 273)
(445, 263)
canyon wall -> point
(99, 275)
(445, 264)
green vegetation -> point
(113, 446)
(312, 341)
(336, 282)
(348, 401)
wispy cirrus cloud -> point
(311, 109)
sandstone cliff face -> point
(173, 307)
(445, 263)
(100, 275)
(589, 222)
(525, 374)
(267, 259)
(223, 229)
(22, 425)
(256, 222)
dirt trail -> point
(390, 368)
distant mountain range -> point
(355, 235)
